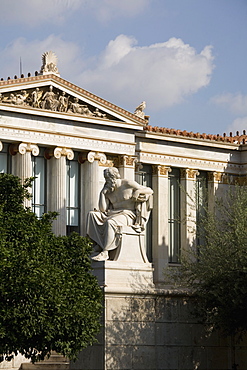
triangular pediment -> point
(53, 95)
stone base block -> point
(121, 277)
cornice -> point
(188, 140)
(187, 162)
(76, 142)
(237, 140)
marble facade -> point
(146, 325)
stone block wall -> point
(156, 332)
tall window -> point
(4, 159)
(174, 215)
(73, 195)
(144, 177)
(39, 184)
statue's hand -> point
(135, 195)
(141, 198)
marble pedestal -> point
(129, 269)
(124, 277)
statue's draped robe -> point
(104, 228)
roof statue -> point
(139, 111)
(49, 65)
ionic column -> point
(56, 193)
(188, 207)
(160, 220)
(91, 184)
(22, 162)
(127, 166)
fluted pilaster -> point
(160, 220)
(127, 166)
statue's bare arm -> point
(139, 189)
(104, 202)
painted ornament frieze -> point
(53, 99)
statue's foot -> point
(103, 256)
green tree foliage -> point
(49, 300)
(215, 271)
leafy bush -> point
(49, 300)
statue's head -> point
(112, 173)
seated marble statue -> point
(121, 203)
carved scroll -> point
(58, 152)
(23, 148)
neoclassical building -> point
(66, 136)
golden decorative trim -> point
(188, 173)
(215, 176)
(108, 163)
(127, 160)
(112, 161)
(227, 178)
(160, 170)
(241, 180)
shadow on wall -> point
(157, 331)
(153, 330)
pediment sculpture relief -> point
(53, 99)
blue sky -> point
(186, 58)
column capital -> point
(189, 173)
(92, 157)
(215, 176)
(24, 148)
(127, 160)
(160, 170)
(59, 152)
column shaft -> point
(57, 176)
(160, 221)
(22, 162)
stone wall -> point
(156, 331)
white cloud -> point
(162, 74)
(239, 124)
(116, 50)
(37, 12)
(237, 103)
(70, 61)
(106, 10)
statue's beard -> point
(111, 184)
